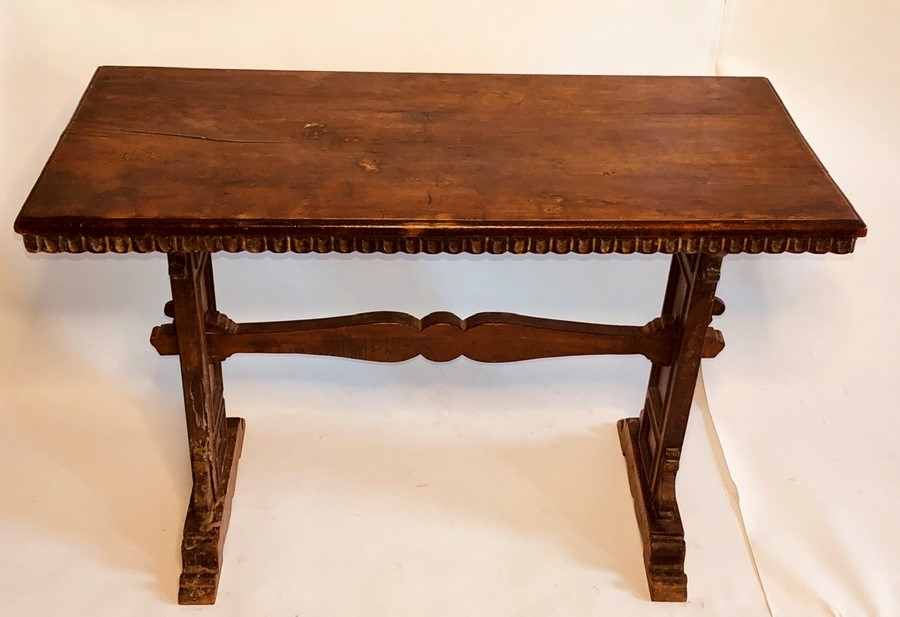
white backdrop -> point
(805, 396)
(452, 489)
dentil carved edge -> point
(147, 243)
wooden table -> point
(192, 162)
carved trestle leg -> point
(652, 443)
(214, 440)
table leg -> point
(214, 440)
(652, 442)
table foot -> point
(663, 538)
(201, 549)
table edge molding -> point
(491, 244)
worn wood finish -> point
(159, 159)
(203, 543)
(652, 443)
(214, 443)
(662, 539)
(189, 162)
(387, 336)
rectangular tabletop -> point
(171, 159)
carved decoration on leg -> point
(214, 441)
(652, 443)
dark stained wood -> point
(203, 544)
(189, 162)
(652, 443)
(214, 443)
(387, 336)
(662, 539)
(205, 160)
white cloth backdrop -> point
(805, 396)
(451, 489)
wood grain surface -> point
(155, 152)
